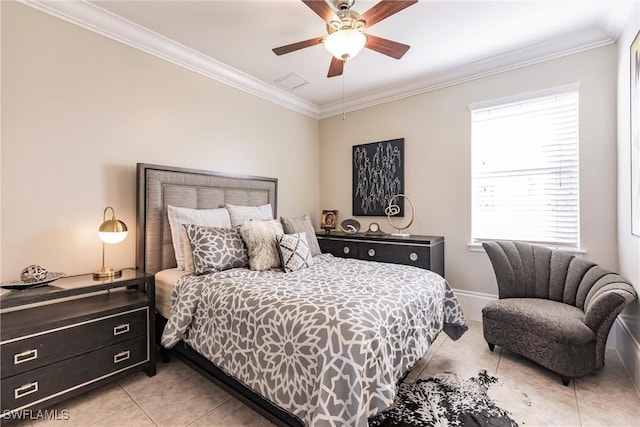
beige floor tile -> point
(442, 363)
(91, 407)
(613, 364)
(595, 414)
(131, 416)
(525, 372)
(140, 386)
(607, 389)
(232, 413)
(470, 350)
(16, 423)
(535, 406)
(182, 403)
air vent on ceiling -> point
(291, 81)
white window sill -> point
(477, 247)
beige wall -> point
(436, 128)
(79, 110)
(628, 245)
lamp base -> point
(107, 273)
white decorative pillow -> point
(180, 216)
(294, 252)
(240, 214)
(261, 238)
(216, 249)
(302, 224)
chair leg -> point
(491, 346)
(565, 380)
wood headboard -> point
(160, 186)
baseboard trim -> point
(472, 303)
(629, 350)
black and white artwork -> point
(378, 175)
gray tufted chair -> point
(554, 308)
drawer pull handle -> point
(371, 252)
(413, 256)
(25, 390)
(122, 356)
(25, 356)
(120, 329)
(346, 250)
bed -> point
(322, 345)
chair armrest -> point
(605, 303)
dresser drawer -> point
(418, 256)
(339, 248)
(46, 347)
(31, 387)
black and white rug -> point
(445, 400)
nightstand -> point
(420, 251)
(75, 334)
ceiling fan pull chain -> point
(344, 115)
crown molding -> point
(520, 58)
(98, 20)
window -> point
(524, 154)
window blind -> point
(525, 170)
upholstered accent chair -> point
(554, 308)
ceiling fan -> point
(346, 31)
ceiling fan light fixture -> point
(345, 44)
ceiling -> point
(451, 41)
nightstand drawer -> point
(418, 256)
(30, 387)
(339, 248)
(51, 346)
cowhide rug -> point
(445, 400)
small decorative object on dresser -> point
(374, 230)
(393, 209)
(420, 251)
(53, 347)
(329, 220)
(111, 231)
(350, 226)
(31, 277)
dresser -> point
(76, 333)
(420, 251)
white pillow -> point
(261, 238)
(205, 217)
(240, 214)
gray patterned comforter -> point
(327, 343)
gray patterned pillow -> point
(216, 249)
(261, 238)
(294, 252)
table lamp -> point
(111, 231)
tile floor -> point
(179, 396)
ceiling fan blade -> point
(297, 46)
(384, 9)
(336, 67)
(386, 47)
(322, 9)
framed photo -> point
(329, 219)
(378, 175)
(635, 136)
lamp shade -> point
(345, 44)
(112, 230)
